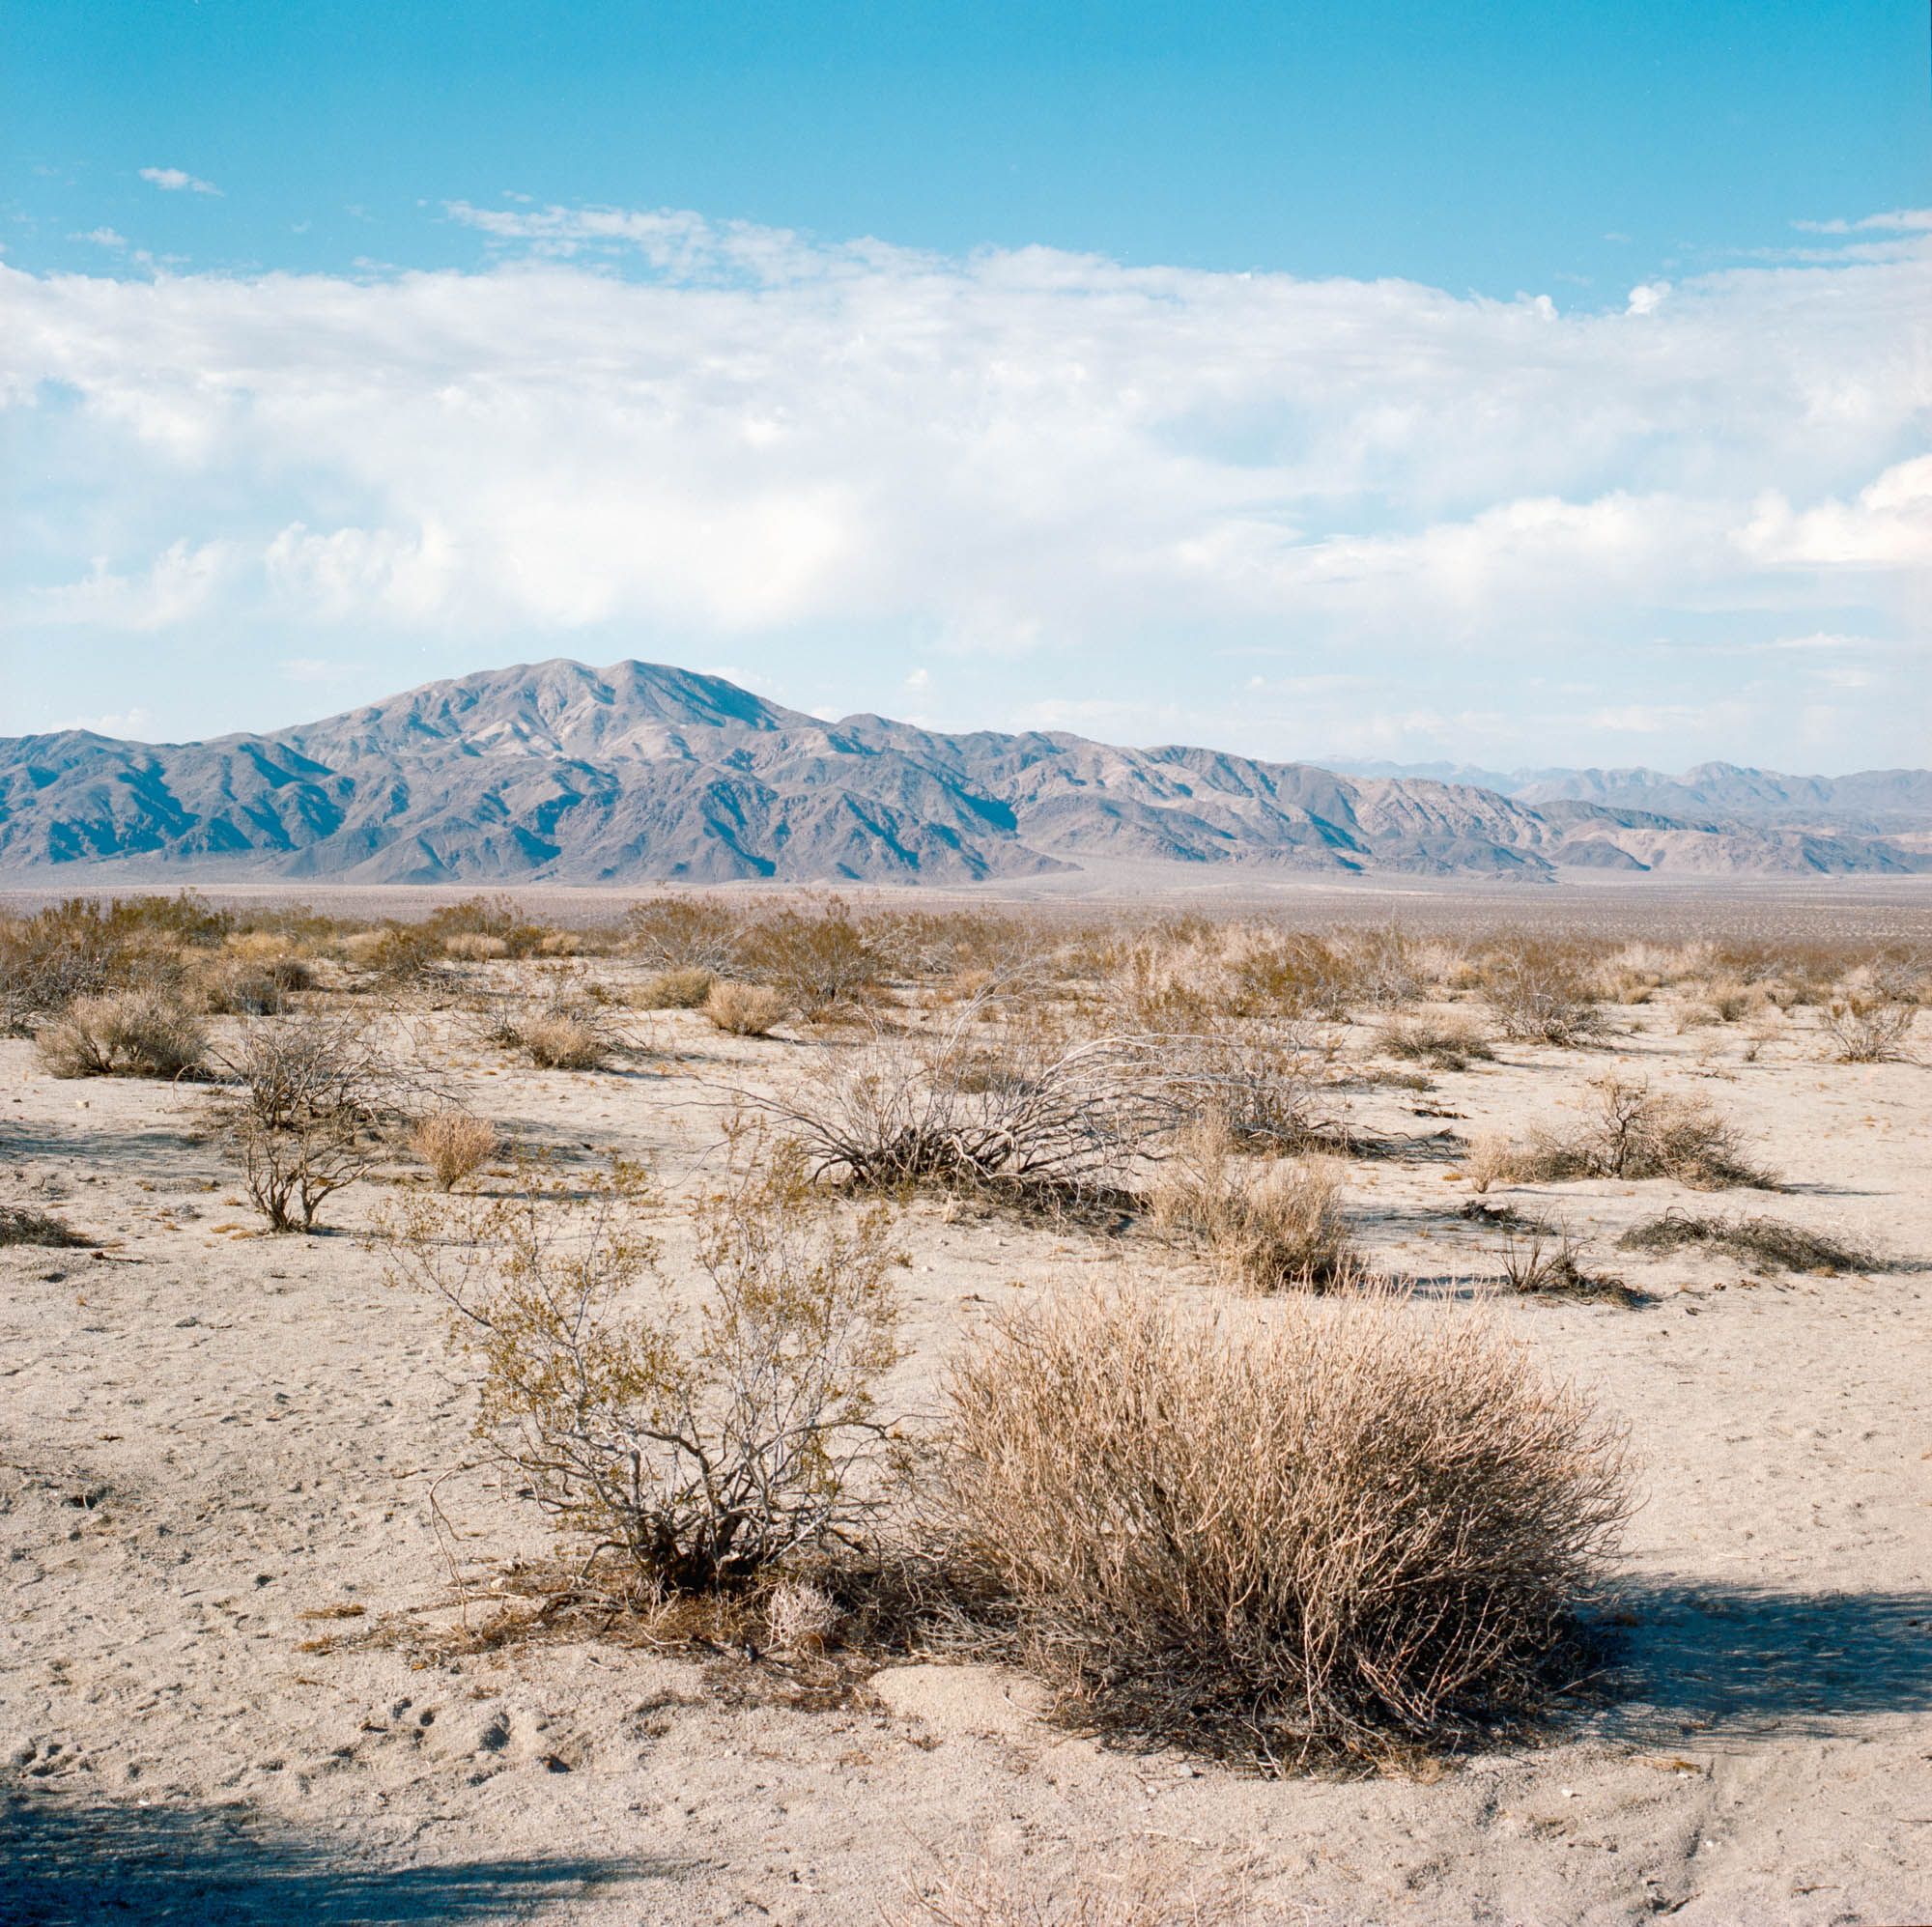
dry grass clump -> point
(1274, 1229)
(21, 1224)
(1144, 1888)
(1339, 1528)
(703, 1446)
(676, 990)
(1449, 1043)
(1771, 1242)
(125, 1033)
(1635, 1132)
(454, 1145)
(1539, 994)
(801, 1617)
(746, 1009)
(565, 1039)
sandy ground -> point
(212, 1441)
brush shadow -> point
(70, 1863)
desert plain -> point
(267, 1657)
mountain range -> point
(559, 773)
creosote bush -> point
(1335, 1527)
(1869, 1025)
(1540, 995)
(123, 1033)
(700, 1447)
(453, 1143)
(1635, 1132)
(316, 1092)
(746, 1009)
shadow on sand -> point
(64, 1863)
(1736, 1661)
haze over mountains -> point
(559, 773)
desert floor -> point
(222, 1695)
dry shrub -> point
(703, 1446)
(821, 964)
(676, 990)
(1761, 1240)
(126, 1033)
(1334, 1528)
(669, 933)
(1635, 1132)
(475, 947)
(317, 1090)
(453, 1143)
(1002, 1108)
(560, 944)
(1264, 1081)
(1540, 995)
(1546, 1261)
(1490, 1159)
(1276, 1228)
(20, 1224)
(235, 986)
(565, 1039)
(746, 1009)
(1449, 1043)
(801, 1617)
(1870, 1026)
(405, 956)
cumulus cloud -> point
(177, 180)
(103, 236)
(645, 418)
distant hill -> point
(1873, 802)
(559, 773)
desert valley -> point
(1580, 1275)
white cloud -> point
(102, 238)
(122, 722)
(177, 180)
(177, 585)
(659, 425)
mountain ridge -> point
(558, 772)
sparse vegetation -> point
(316, 1091)
(700, 1447)
(746, 1009)
(1540, 995)
(1635, 1132)
(1448, 1043)
(1770, 1243)
(1335, 1530)
(21, 1224)
(123, 1034)
(676, 990)
(1275, 1227)
(454, 1145)
(1870, 1024)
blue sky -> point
(1509, 384)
